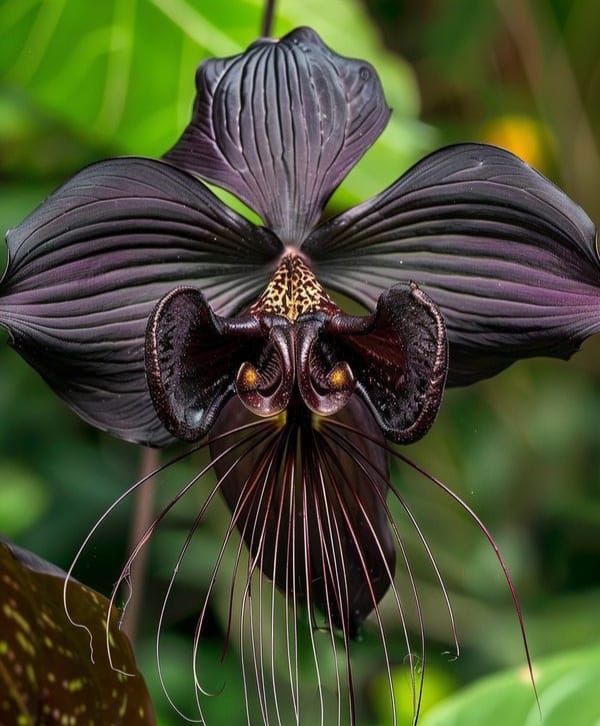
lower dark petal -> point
(313, 519)
(510, 260)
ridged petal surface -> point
(281, 125)
(87, 267)
(511, 261)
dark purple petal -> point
(87, 267)
(281, 125)
(399, 358)
(314, 520)
(196, 360)
(190, 364)
(509, 258)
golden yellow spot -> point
(316, 421)
(280, 420)
(24, 720)
(338, 378)
(520, 134)
(250, 377)
(31, 674)
(3, 647)
(10, 582)
(48, 620)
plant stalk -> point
(266, 27)
(142, 517)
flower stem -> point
(266, 27)
(142, 516)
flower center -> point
(293, 291)
(293, 311)
(295, 347)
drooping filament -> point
(308, 496)
(313, 524)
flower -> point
(158, 313)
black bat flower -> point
(158, 313)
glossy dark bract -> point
(394, 359)
(302, 523)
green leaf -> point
(438, 683)
(121, 72)
(23, 498)
(567, 686)
(46, 669)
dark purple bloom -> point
(134, 279)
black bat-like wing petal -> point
(510, 260)
(88, 266)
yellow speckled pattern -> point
(46, 672)
(292, 291)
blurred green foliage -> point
(568, 688)
(80, 81)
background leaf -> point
(567, 686)
(46, 666)
(131, 66)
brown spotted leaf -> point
(46, 672)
